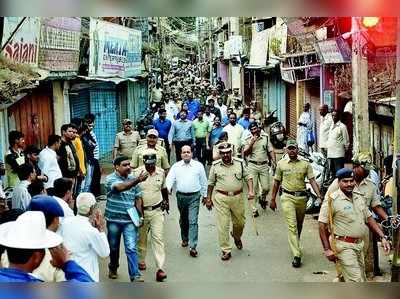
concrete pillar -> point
(58, 106)
(359, 65)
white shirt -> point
(20, 198)
(223, 109)
(326, 122)
(234, 134)
(188, 177)
(68, 212)
(86, 243)
(338, 140)
(172, 109)
(209, 118)
(49, 166)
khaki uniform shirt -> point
(125, 143)
(215, 151)
(151, 187)
(260, 148)
(162, 158)
(349, 215)
(238, 111)
(367, 188)
(292, 174)
(232, 100)
(230, 177)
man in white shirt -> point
(84, 235)
(64, 195)
(208, 116)
(20, 197)
(48, 163)
(325, 125)
(235, 132)
(190, 179)
(223, 108)
(338, 143)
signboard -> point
(59, 44)
(328, 97)
(114, 50)
(334, 51)
(233, 46)
(23, 47)
(259, 47)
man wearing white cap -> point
(84, 235)
(162, 157)
(25, 241)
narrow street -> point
(263, 258)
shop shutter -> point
(79, 103)
(291, 124)
(103, 104)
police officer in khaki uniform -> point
(154, 202)
(259, 153)
(126, 141)
(343, 219)
(291, 174)
(362, 164)
(162, 157)
(227, 176)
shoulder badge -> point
(217, 162)
(238, 159)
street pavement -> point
(263, 258)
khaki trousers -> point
(351, 258)
(154, 226)
(229, 208)
(294, 211)
(261, 180)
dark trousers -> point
(96, 177)
(188, 206)
(335, 164)
(167, 148)
(200, 150)
(178, 147)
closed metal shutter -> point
(103, 104)
(80, 103)
(291, 124)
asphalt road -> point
(264, 258)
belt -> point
(295, 193)
(187, 193)
(230, 193)
(347, 239)
(151, 208)
(258, 163)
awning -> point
(115, 80)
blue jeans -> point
(130, 233)
(188, 206)
(85, 186)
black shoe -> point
(296, 262)
(112, 274)
(193, 252)
(225, 256)
(263, 204)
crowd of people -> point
(203, 128)
(53, 207)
